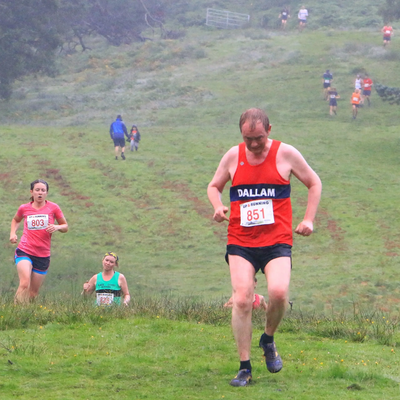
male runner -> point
(367, 86)
(387, 31)
(260, 228)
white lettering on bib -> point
(105, 299)
(258, 212)
(36, 222)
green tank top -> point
(108, 292)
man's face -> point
(255, 139)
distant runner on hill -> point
(387, 31)
(327, 79)
(358, 82)
(284, 15)
(302, 16)
(355, 102)
(367, 86)
(333, 95)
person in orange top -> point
(387, 31)
(367, 86)
(355, 102)
(260, 233)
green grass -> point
(140, 358)
(153, 208)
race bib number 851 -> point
(258, 212)
(36, 222)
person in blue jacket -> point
(118, 132)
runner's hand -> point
(219, 214)
(305, 228)
(51, 228)
(14, 239)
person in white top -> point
(358, 82)
(302, 16)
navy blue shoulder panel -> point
(259, 191)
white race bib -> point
(36, 222)
(105, 299)
(256, 212)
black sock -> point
(245, 365)
(266, 339)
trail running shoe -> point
(272, 358)
(243, 378)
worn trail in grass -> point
(153, 210)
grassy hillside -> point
(186, 96)
(167, 349)
(139, 359)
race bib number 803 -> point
(36, 222)
(258, 212)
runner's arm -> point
(216, 186)
(90, 286)
(305, 174)
(61, 227)
(14, 227)
(124, 288)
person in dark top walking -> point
(118, 132)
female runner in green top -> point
(109, 284)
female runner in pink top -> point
(32, 255)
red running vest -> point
(256, 302)
(251, 186)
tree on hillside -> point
(389, 94)
(118, 21)
(390, 10)
(71, 17)
(28, 40)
